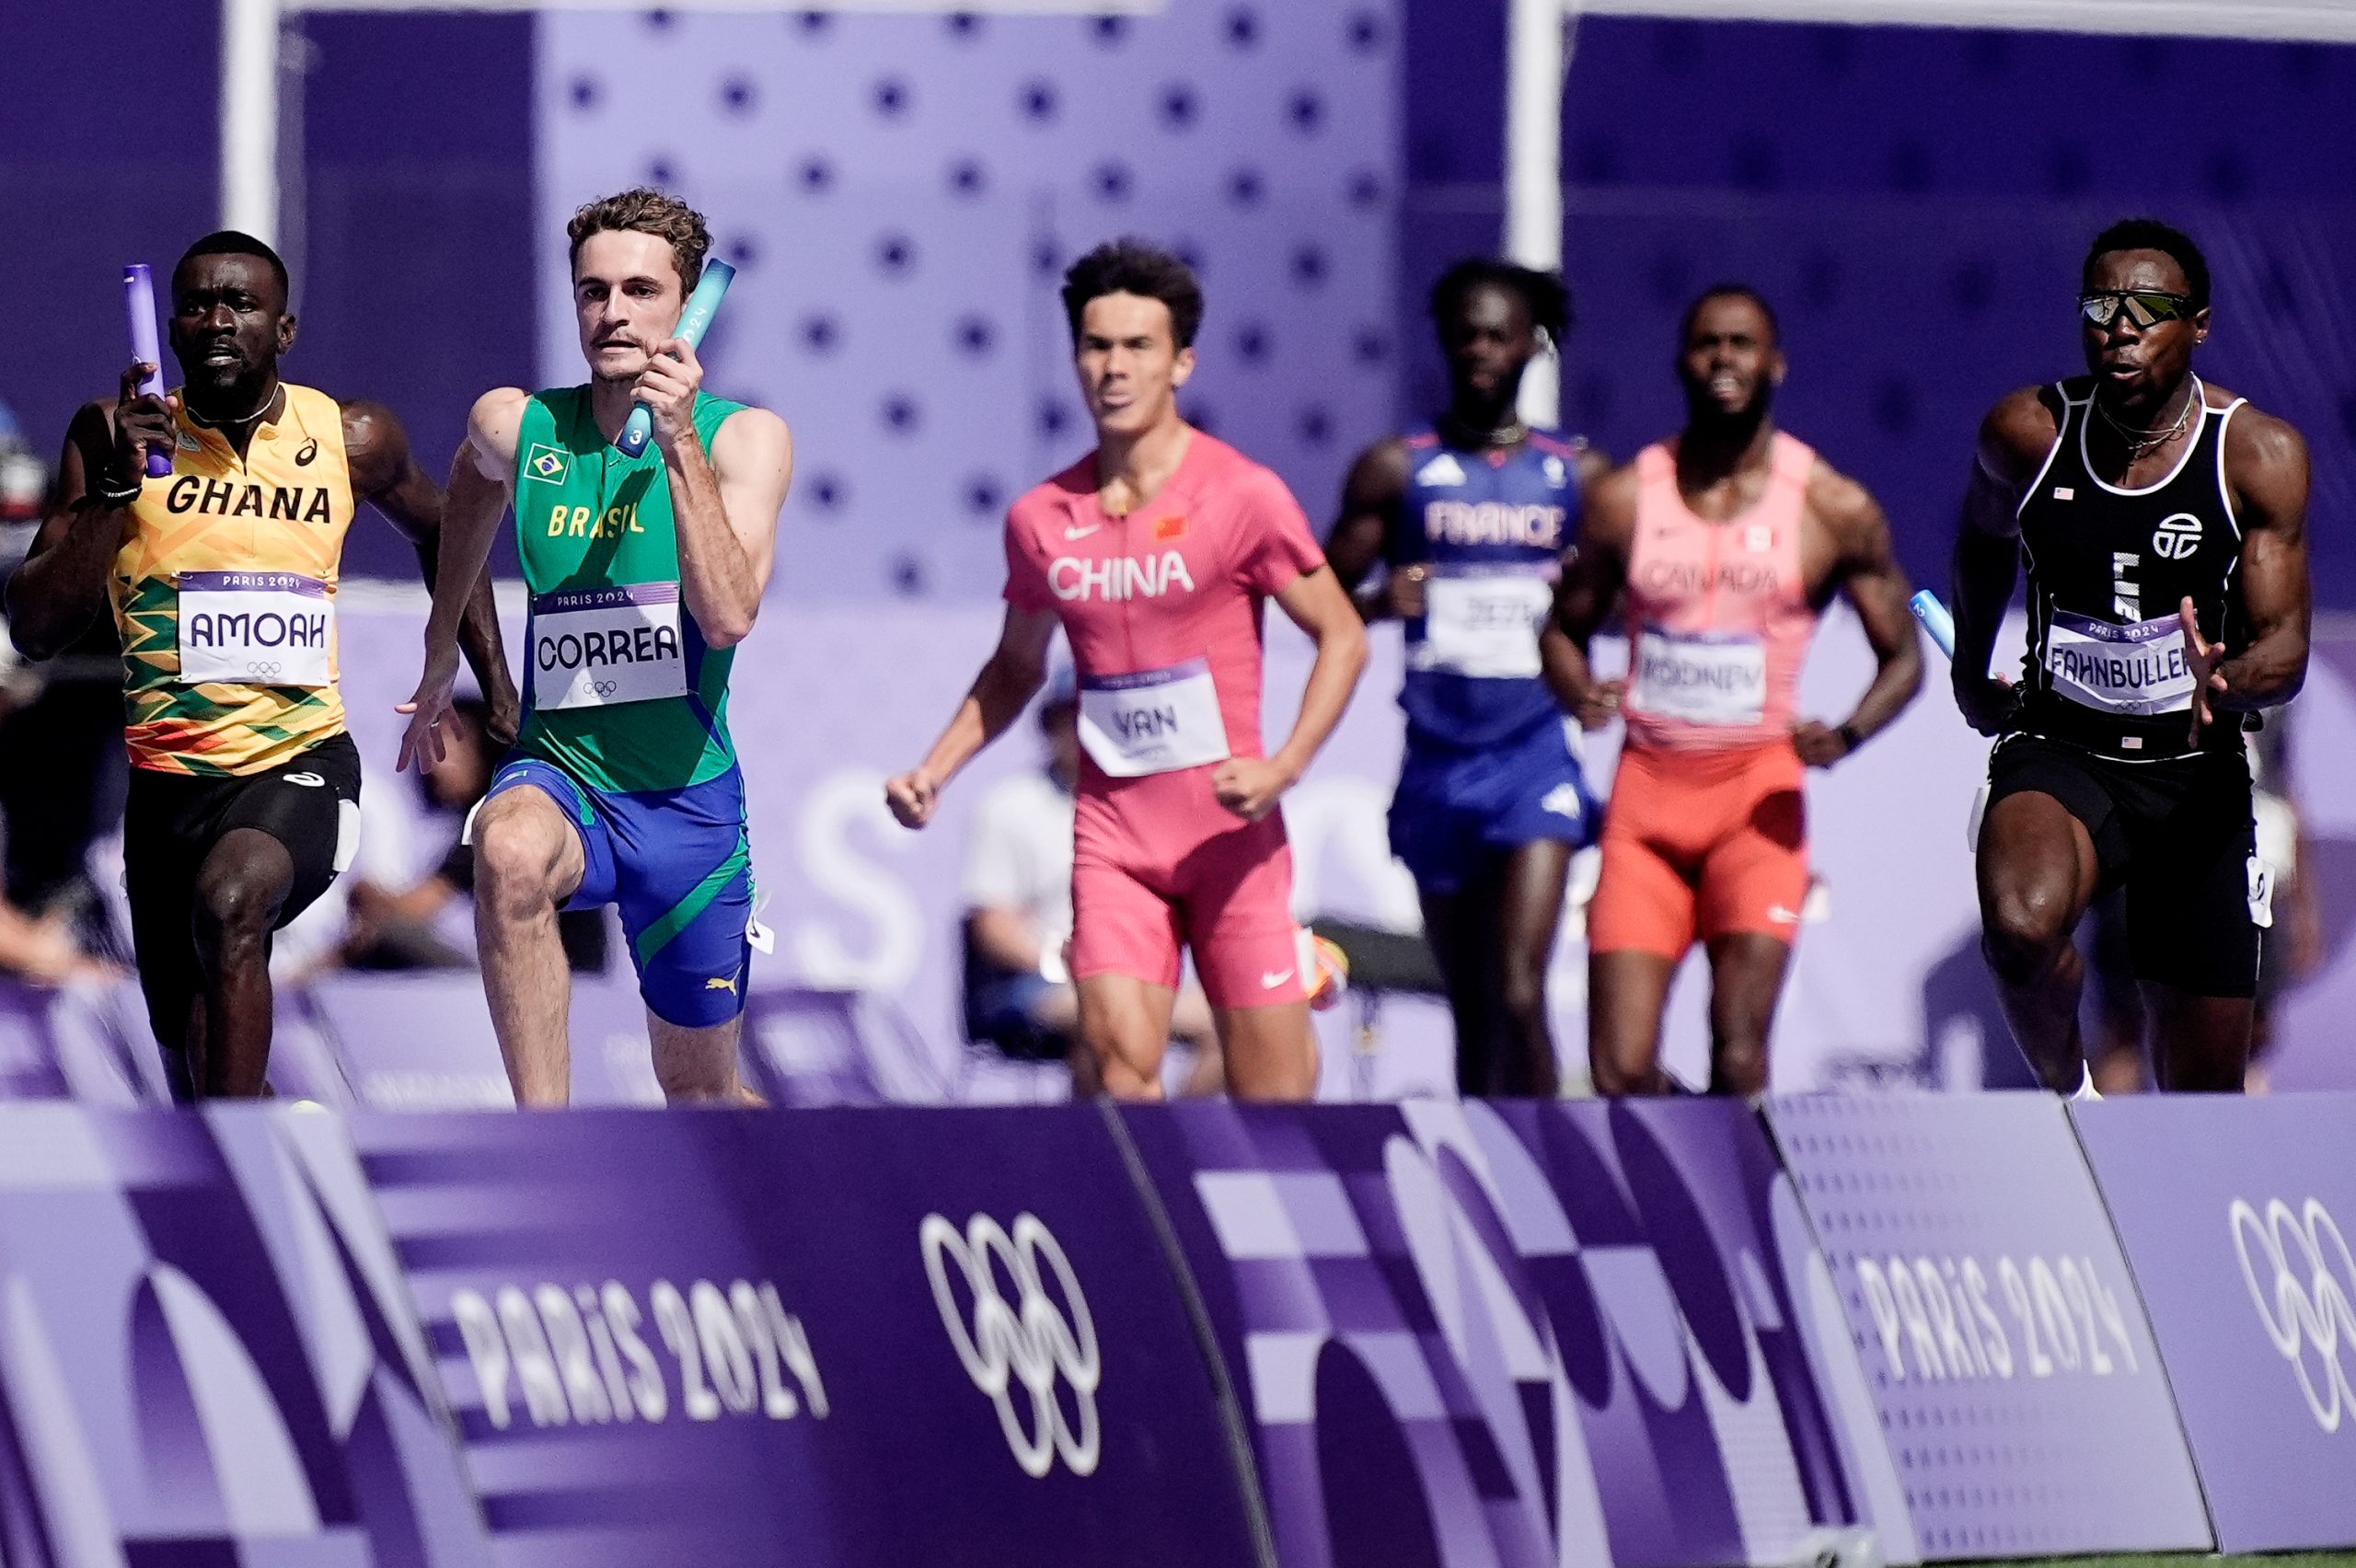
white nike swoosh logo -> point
(1781, 915)
(1070, 533)
(1269, 982)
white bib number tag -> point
(1699, 679)
(2135, 669)
(1152, 721)
(1482, 623)
(596, 647)
(255, 628)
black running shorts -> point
(172, 821)
(2177, 835)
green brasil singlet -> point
(599, 552)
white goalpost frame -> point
(252, 39)
(1539, 55)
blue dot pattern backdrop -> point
(902, 194)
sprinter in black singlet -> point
(2162, 522)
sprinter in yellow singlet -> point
(245, 789)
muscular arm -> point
(725, 506)
(62, 586)
(481, 478)
(1008, 678)
(2265, 464)
(1315, 602)
(1592, 577)
(1867, 574)
(384, 473)
(2014, 440)
(1370, 498)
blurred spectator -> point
(62, 764)
(1018, 995)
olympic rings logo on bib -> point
(266, 670)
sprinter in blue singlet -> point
(1471, 518)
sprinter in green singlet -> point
(644, 574)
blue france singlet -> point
(1491, 527)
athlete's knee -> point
(515, 863)
(2023, 931)
(1612, 1075)
(238, 900)
(1738, 1059)
(1522, 991)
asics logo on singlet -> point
(2303, 1282)
(309, 781)
(1119, 577)
(304, 454)
(1494, 523)
(2178, 537)
(1442, 471)
(1044, 1336)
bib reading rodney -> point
(620, 690)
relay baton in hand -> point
(1934, 618)
(139, 304)
(709, 290)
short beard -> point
(235, 398)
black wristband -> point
(1849, 736)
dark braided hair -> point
(1545, 296)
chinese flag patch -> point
(1170, 528)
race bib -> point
(255, 628)
(1152, 721)
(1482, 623)
(2134, 669)
(597, 647)
(1698, 678)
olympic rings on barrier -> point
(2306, 1303)
(1033, 1342)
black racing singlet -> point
(2108, 567)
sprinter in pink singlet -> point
(1156, 553)
(1728, 540)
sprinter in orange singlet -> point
(1728, 540)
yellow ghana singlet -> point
(224, 592)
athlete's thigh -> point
(1532, 883)
(683, 880)
(2193, 890)
(1120, 926)
(1754, 876)
(1234, 892)
(535, 819)
(1643, 902)
(2039, 861)
(2199, 1044)
(1430, 830)
(1270, 1052)
(1747, 970)
(311, 808)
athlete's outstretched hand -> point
(1249, 786)
(143, 423)
(667, 387)
(912, 796)
(421, 742)
(2203, 657)
(1986, 702)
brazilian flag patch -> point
(544, 462)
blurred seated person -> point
(422, 925)
(1017, 891)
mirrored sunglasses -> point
(2144, 308)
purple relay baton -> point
(139, 304)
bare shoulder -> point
(2017, 434)
(2267, 467)
(1840, 503)
(496, 422)
(1381, 469)
(370, 430)
(1609, 515)
(755, 433)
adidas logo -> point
(1563, 800)
(1440, 471)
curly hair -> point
(1137, 266)
(643, 210)
(1543, 294)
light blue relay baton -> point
(711, 288)
(1934, 618)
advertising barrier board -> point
(833, 1337)
(2235, 1214)
(2018, 1385)
(208, 1354)
(1523, 1334)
